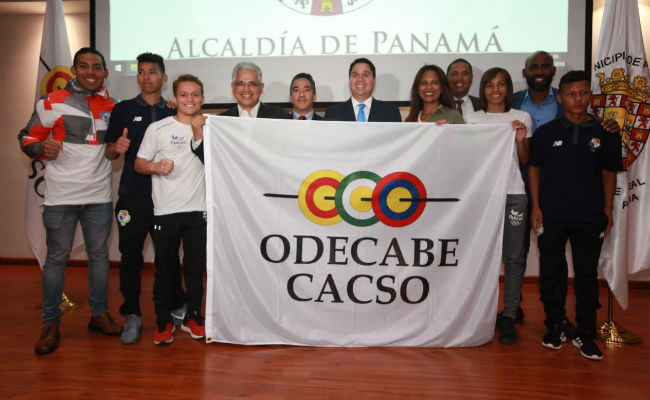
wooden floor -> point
(91, 366)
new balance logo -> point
(137, 118)
(557, 143)
(157, 227)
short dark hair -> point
(186, 78)
(305, 76)
(487, 77)
(152, 58)
(451, 64)
(574, 76)
(86, 50)
(529, 59)
(363, 60)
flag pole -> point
(610, 332)
(620, 92)
(70, 302)
(67, 302)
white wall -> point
(20, 45)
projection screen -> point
(285, 37)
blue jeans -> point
(60, 224)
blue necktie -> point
(361, 117)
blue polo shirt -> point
(136, 115)
(571, 159)
(542, 113)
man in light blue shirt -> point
(540, 99)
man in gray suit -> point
(247, 87)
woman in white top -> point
(495, 101)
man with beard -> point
(540, 99)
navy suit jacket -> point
(263, 112)
(380, 111)
(474, 101)
(314, 116)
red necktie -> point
(302, 117)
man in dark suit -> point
(302, 94)
(361, 106)
(247, 87)
(460, 76)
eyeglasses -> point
(253, 84)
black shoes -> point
(507, 331)
(519, 317)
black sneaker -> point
(519, 317)
(569, 329)
(507, 331)
(587, 347)
(554, 338)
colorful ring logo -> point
(362, 198)
(55, 79)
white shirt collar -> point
(244, 114)
(309, 115)
(355, 106)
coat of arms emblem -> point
(626, 101)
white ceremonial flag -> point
(620, 86)
(327, 233)
(53, 74)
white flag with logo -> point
(620, 87)
(345, 234)
(53, 74)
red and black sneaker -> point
(164, 336)
(193, 324)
